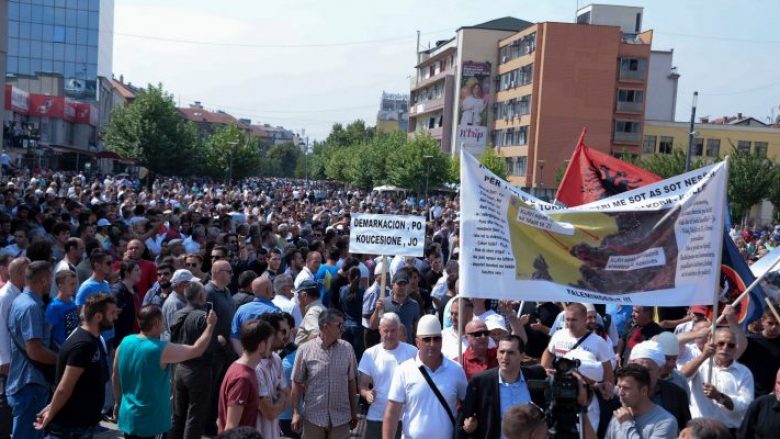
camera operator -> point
(638, 417)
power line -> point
(750, 90)
(273, 46)
(718, 37)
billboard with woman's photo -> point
(473, 100)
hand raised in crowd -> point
(710, 391)
(524, 319)
(730, 314)
(380, 305)
(709, 350)
(211, 318)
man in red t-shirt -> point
(239, 396)
(478, 357)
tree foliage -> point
(231, 153)
(151, 132)
(494, 163)
(751, 175)
(409, 168)
(667, 165)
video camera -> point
(561, 392)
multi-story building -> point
(393, 114)
(554, 79)
(73, 39)
(451, 93)
(209, 121)
(3, 52)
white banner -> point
(656, 245)
(387, 235)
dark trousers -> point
(192, 392)
(59, 432)
(219, 366)
(6, 414)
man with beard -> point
(75, 409)
(762, 419)
(161, 289)
(762, 355)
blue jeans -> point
(60, 432)
(26, 403)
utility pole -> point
(306, 162)
(691, 133)
(428, 159)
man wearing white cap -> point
(670, 346)
(663, 393)
(176, 300)
(427, 389)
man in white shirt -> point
(284, 297)
(577, 334)
(376, 370)
(424, 415)
(313, 262)
(8, 293)
(727, 391)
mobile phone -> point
(209, 307)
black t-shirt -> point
(83, 350)
(762, 357)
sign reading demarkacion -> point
(387, 235)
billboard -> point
(473, 99)
(16, 100)
(47, 106)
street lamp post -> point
(691, 132)
(541, 175)
(428, 159)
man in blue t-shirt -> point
(62, 313)
(263, 291)
(327, 272)
(97, 283)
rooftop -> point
(200, 115)
(509, 24)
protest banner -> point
(384, 235)
(655, 245)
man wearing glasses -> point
(478, 357)
(162, 288)
(728, 392)
(425, 414)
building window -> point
(713, 148)
(743, 147)
(665, 144)
(633, 69)
(627, 126)
(511, 136)
(698, 146)
(517, 166)
(631, 95)
(584, 18)
(760, 148)
(517, 48)
(649, 146)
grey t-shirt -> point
(655, 424)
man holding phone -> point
(191, 379)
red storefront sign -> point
(86, 114)
(16, 100)
(47, 106)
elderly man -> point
(663, 393)
(325, 374)
(309, 298)
(284, 297)
(478, 357)
(729, 389)
(376, 372)
(490, 394)
(176, 300)
(427, 389)
(264, 292)
(762, 419)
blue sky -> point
(310, 63)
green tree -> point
(454, 176)
(285, 158)
(409, 168)
(230, 153)
(667, 165)
(335, 168)
(750, 177)
(494, 163)
(150, 131)
(774, 190)
(367, 163)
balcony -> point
(426, 106)
(421, 83)
(629, 107)
(622, 137)
(632, 75)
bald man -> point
(262, 304)
(135, 251)
(478, 357)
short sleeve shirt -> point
(562, 342)
(85, 351)
(380, 364)
(63, 317)
(239, 388)
(26, 322)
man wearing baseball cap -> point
(308, 293)
(407, 308)
(175, 301)
(425, 390)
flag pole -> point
(750, 287)
(717, 289)
(772, 308)
(580, 144)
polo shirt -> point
(8, 294)
(472, 365)
(423, 413)
(250, 311)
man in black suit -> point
(491, 393)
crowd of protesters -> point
(191, 308)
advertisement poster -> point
(473, 101)
(655, 245)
